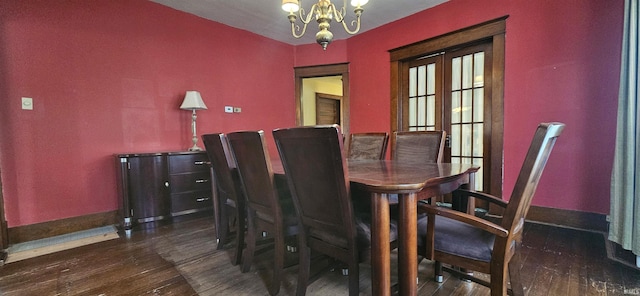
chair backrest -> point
(256, 175)
(543, 140)
(368, 146)
(222, 161)
(418, 146)
(318, 179)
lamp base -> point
(195, 148)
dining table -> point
(382, 178)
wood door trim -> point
(453, 39)
(4, 231)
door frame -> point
(4, 237)
(323, 71)
(493, 30)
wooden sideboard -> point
(163, 185)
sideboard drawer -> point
(188, 163)
(190, 182)
(184, 203)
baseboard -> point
(616, 253)
(42, 230)
(568, 218)
(35, 248)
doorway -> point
(321, 100)
(325, 82)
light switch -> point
(27, 103)
(237, 110)
(228, 109)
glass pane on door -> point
(422, 97)
(467, 109)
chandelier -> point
(324, 12)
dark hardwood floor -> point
(181, 259)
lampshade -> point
(356, 3)
(290, 5)
(193, 101)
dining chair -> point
(269, 206)
(229, 204)
(317, 174)
(476, 244)
(367, 146)
(418, 146)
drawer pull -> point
(201, 199)
(202, 180)
(199, 162)
(166, 184)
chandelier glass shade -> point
(324, 12)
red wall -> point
(562, 64)
(108, 77)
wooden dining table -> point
(382, 178)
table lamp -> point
(193, 101)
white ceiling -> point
(266, 17)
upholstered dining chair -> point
(367, 145)
(317, 173)
(269, 205)
(475, 244)
(229, 202)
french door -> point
(457, 88)
(447, 91)
(467, 107)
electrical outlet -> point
(237, 110)
(228, 109)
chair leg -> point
(240, 229)
(247, 256)
(304, 254)
(498, 284)
(292, 244)
(514, 275)
(222, 228)
(438, 272)
(354, 278)
(278, 265)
